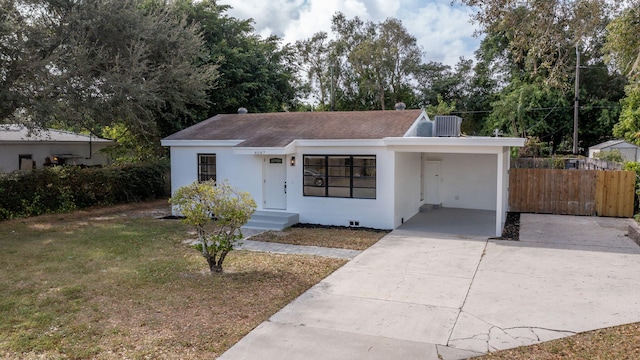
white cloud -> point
(317, 17)
(442, 30)
(271, 17)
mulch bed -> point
(318, 226)
(511, 229)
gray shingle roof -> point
(616, 143)
(280, 129)
(20, 133)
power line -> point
(582, 107)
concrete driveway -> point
(421, 295)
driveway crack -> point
(464, 301)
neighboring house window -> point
(346, 176)
(206, 167)
(25, 162)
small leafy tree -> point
(613, 155)
(534, 148)
(442, 108)
(217, 211)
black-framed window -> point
(206, 167)
(345, 176)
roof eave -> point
(455, 141)
(339, 142)
(198, 143)
(35, 141)
(256, 150)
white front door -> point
(275, 183)
(431, 182)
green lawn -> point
(109, 284)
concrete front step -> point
(272, 220)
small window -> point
(343, 176)
(206, 167)
(275, 161)
(25, 162)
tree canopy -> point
(142, 69)
(86, 65)
(255, 73)
(367, 65)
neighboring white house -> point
(21, 148)
(631, 152)
(365, 168)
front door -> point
(431, 182)
(275, 183)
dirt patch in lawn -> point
(333, 237)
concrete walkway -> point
(422, 295)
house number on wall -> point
(259, 152)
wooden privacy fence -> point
(572, 192)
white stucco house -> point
(631, 152)
(367, 168)
(23, 148)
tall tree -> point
(528, 57)
(371, 66)
(623, 46)
(105, 62)
(542, 35)
(255, 73)
(314, 61)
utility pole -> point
(576, 106)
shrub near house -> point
(64, 188)
(217, 211)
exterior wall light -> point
(293, 161)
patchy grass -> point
(344, 238)
(116, 283)
(620, 342)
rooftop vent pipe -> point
(242, 110)
(400, 106)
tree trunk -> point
(215, 267)
(218, 265)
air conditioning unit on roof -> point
(447, 125)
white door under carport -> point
(431, 182)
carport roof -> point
(461, 144)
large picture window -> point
(346, 176)
(206, 167)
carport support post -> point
(503, 162)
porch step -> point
(429, 207)
(271, 220)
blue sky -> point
(444, 32)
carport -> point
(465, 173)
(454, 221)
